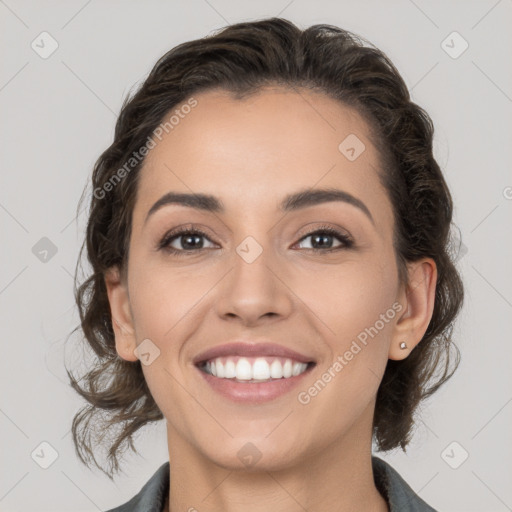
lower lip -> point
(253, 392)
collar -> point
(396, 491)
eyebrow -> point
(292, 202)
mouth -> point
(252, 373)
(254, 369)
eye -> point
(187, 239)
(322, 239)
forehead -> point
(252, 152)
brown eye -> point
(322, 240)
(190, 240)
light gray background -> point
(58, 115)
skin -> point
(250, 154)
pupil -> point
(196, 238)
(323, 242)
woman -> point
(269, 234)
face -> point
(315, 277)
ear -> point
(122, 321)
(418, 298)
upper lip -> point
(245, 349)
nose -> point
(254, 291)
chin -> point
(254, 455)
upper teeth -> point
(259, 368)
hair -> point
(243, 59)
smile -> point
(252, 381)
(253, 369)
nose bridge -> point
(252, 289)
(253, 261)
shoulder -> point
(399, 494)
(152, 496)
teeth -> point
(276, 370)
(220, 369)
(287, 369)
(254, 369)
(260, 369)
(229, 369)
(243, 369)
(297, 368)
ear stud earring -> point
(403, 345)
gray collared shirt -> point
(400, 497)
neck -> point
(338, 477)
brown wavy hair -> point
(243, 58)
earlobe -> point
(122, 322)
(418, 298)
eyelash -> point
(347, 242)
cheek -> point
(357, 316)
(164, 300)
(353, 299)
